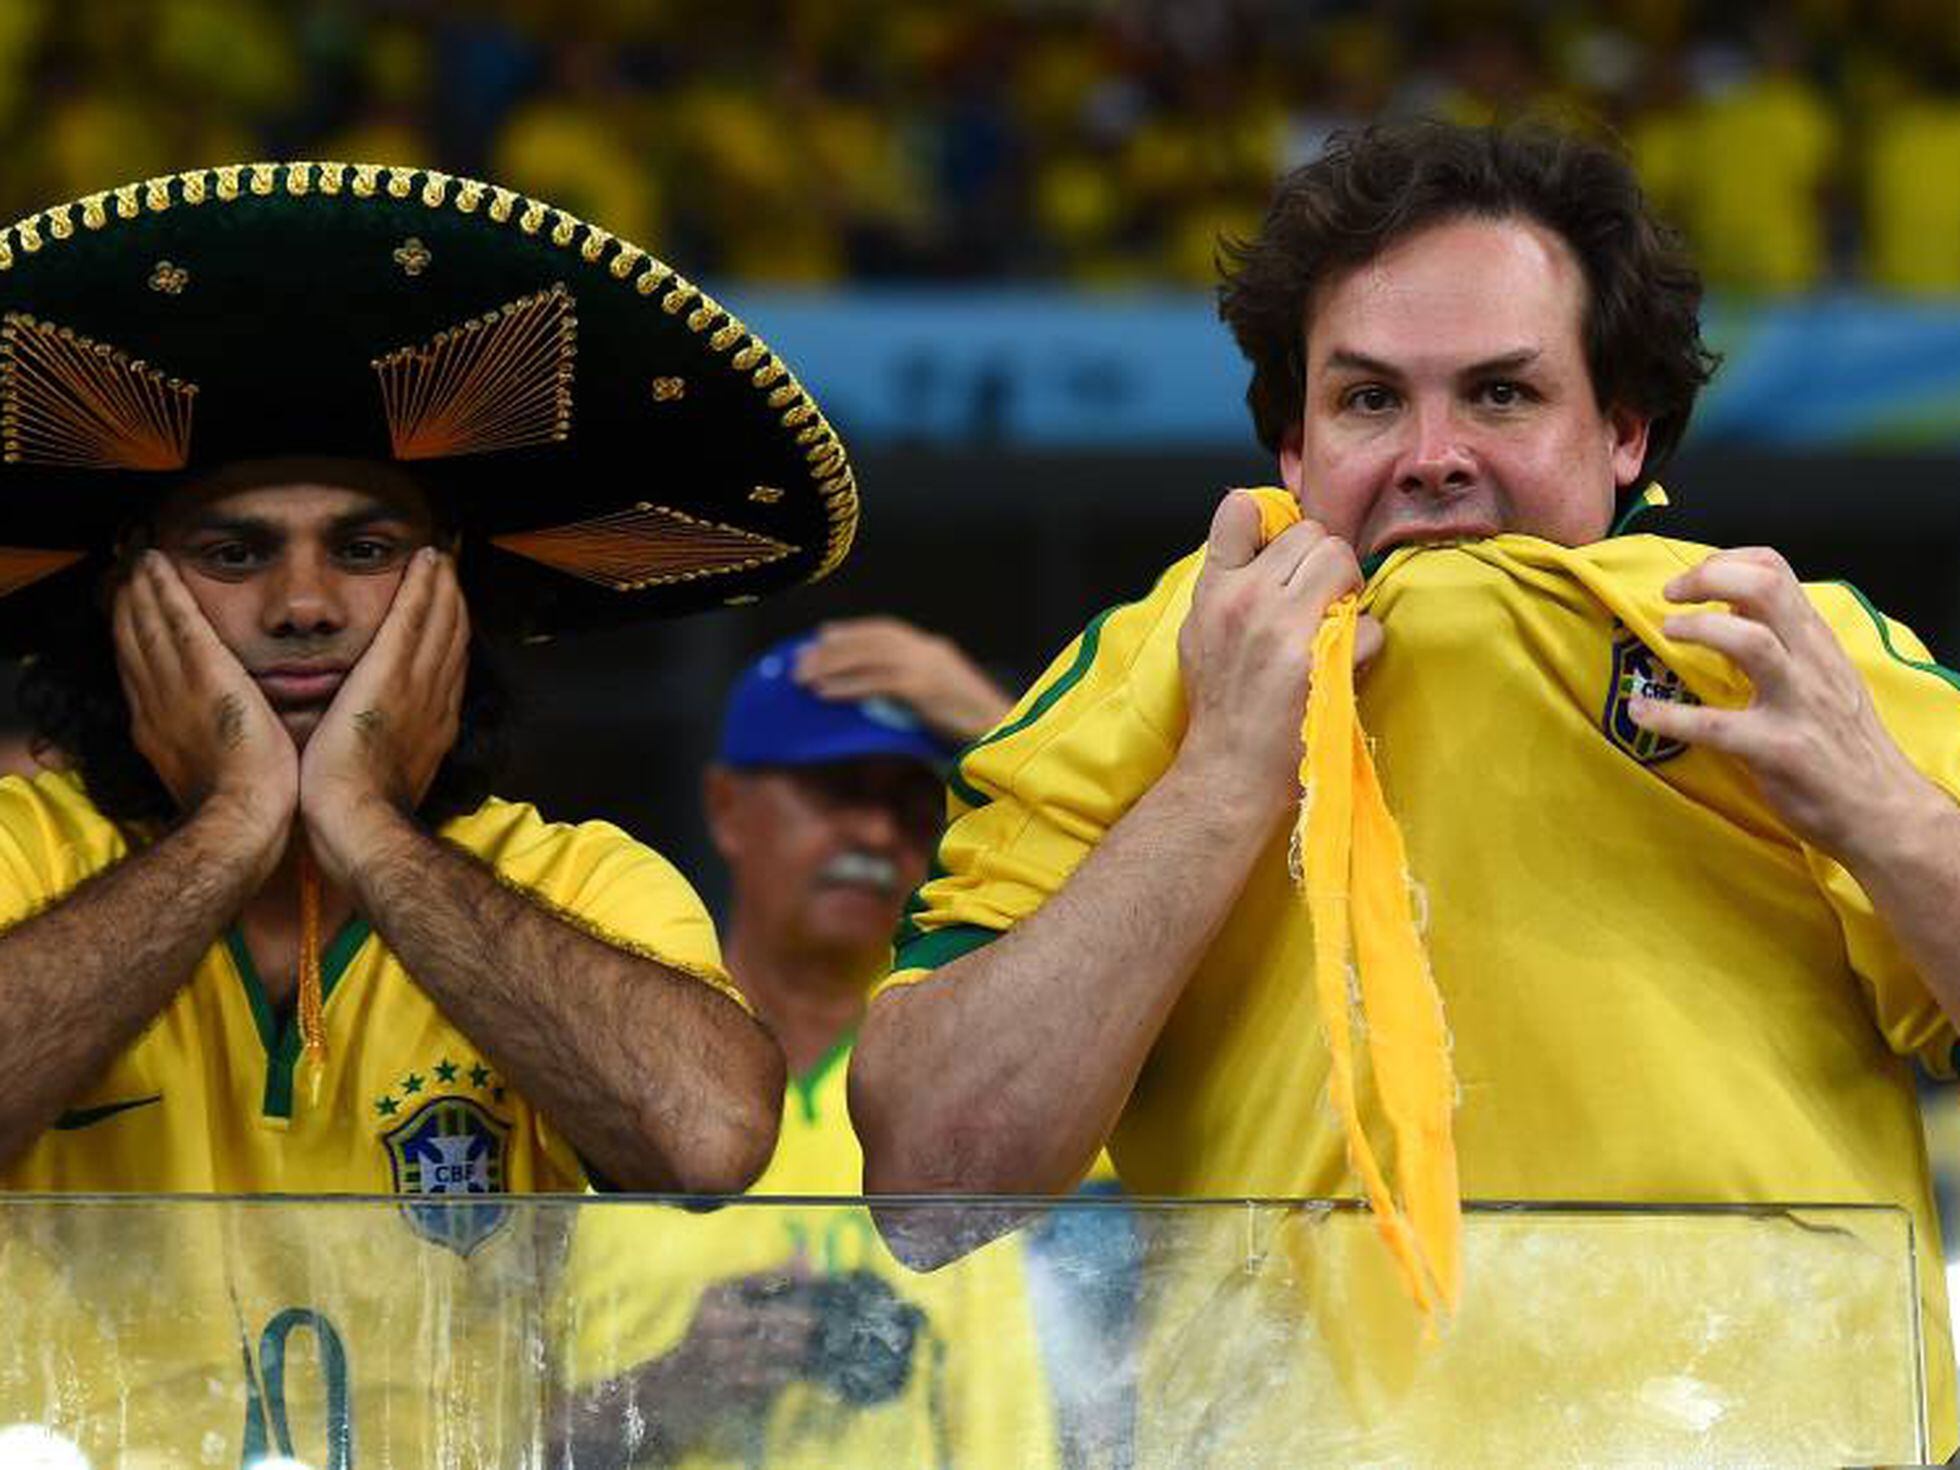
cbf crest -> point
(451, 1158)
(1638, 670)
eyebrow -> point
(209, 522)
(1507, 362)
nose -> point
(303, 600)
(1437, 463)
(873, 825)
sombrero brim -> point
(611, 443)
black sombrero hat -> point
(610, 442)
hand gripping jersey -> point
(1654, 991)
(212, 1332)
(974, 1391)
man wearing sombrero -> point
(279, 442)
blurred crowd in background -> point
(1092, 142)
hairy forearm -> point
(1908, 863)
(1005, 1072)
(81, 979)
(660, 1081)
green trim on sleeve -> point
(908, 921)
(1085, 655)
(936, 947)
(282, 1045)
(909, 935)
(1879, 621)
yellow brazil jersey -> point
(973, 1388)
(1655, 992)
(156, 1324)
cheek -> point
(232, 609)
(1561, 486)
(367, 601)
(1339, 484)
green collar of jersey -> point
(805, 1084)
(282, 1043)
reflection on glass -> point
(580, 1333)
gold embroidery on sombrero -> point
(66, 399)
(498, 381)
(667, 390)
(646, 546)
(21, 566)
(413, 256)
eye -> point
(1505, 393)
(1369, 398)
(228, 557)
(369, 552)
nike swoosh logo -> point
(84, 1117)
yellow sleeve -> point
(619, 891)
(1028, 801)
(1919, 701)
(50, 840)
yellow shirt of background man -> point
(214, 1096)
(976, 1392)
(413, 1328)
(1655, 992)
(1912, 221)
(1753, 196)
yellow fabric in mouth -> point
(1370, 966)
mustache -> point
(861, 869)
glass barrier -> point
(152, 1334)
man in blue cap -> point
(825, 801)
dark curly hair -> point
(73, 699)
(1378, 185)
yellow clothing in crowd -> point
(974, 1390)
(1745, 174)
(1912, 207)
(1655, 992)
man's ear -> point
(1627, 444)
(1290, 472)
(721, 794)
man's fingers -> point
(435, 644)
(1751, 584)
(1328, 570)
(131, 663)
(193, 640)
(1234, 537)
(1368, 639)
(1748, 644)
(1726, 730)
(1758, 583)
(857, 684)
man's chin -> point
(301, 723)
(854, 918)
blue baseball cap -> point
(771, 720)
